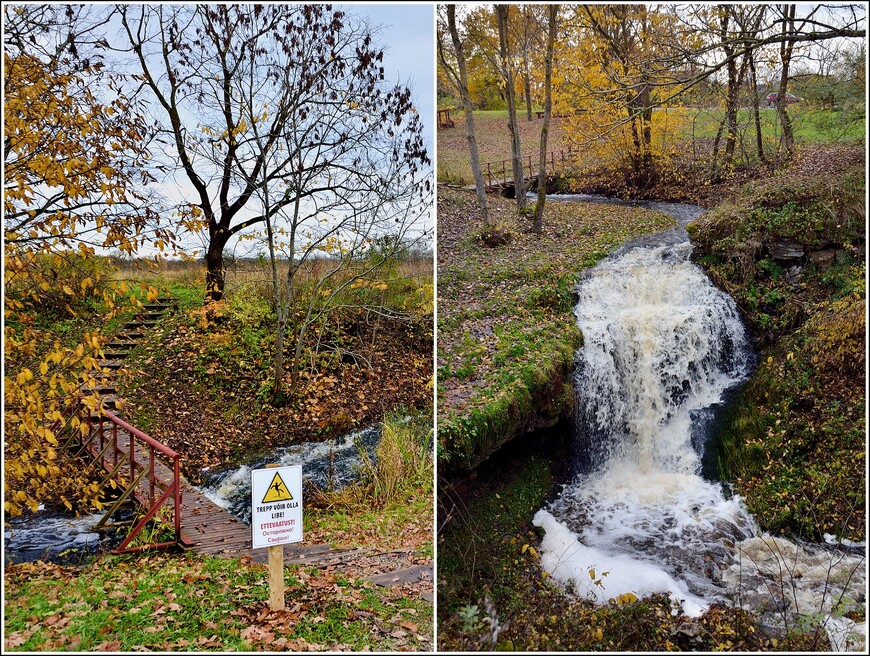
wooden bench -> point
(444, 120)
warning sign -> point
(276, 506)
(277, 491)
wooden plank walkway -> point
(208, 529)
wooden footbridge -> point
(148, 474)
(499, 176)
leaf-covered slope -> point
(791, 252)
(204, 388)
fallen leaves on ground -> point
(215, 420)
(484, 293)
(170, 602)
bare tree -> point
(508, 75)
(527, 30)
(459, 78)
(191, 59)
(553, 13)
(342, 179)
(786, 49)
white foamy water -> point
(661, 347)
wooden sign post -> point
(276, 578)
(276, 520)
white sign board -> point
(276, 506)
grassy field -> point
(493, 143)
(165, 602)
(686, 126)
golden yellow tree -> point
(612, 73)
(73, 165)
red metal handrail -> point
(147, 464)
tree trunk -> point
(215, 276)
(527, 71)
(527, 88)
(538, 225)
(280, 321)
(731, 102)
(756, 113)
(785, 52)
(280, 313)
(646, 115)
(468, 109)
(510, 94)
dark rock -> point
(823, 259)
(792, 275)
(786, 249)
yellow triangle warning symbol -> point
(277, 491)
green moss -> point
(794, 442)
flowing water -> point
(58, 537)
(326, 465)
(662, 350)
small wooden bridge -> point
(148, 473)
(500, 175)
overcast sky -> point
(408, 39)
(407, 36)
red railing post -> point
(171, 490)
(102, 432)
(132, 458)
(176, 465)
(151, 473)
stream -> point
(663, 351)
(63, 538)
(327, 465)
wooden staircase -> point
(102, 384)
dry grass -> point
(171, 274)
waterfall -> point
(662, 346)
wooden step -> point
(97, 376)
(121, 346)
(110, 402)
(99, 389)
